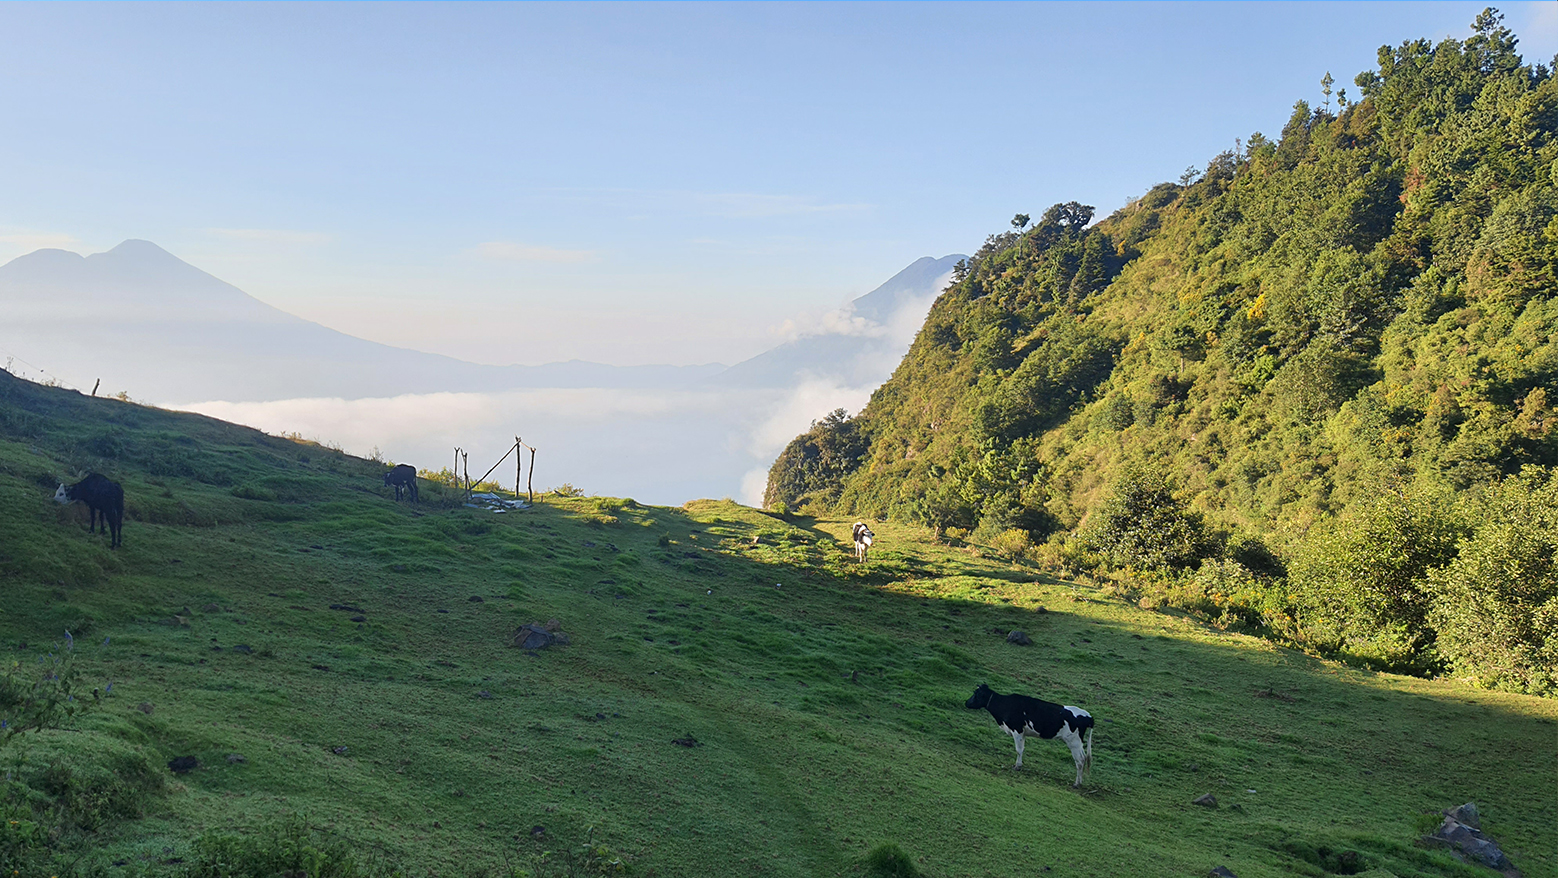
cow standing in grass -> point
(863, 537)
(1019, 715)
(104, 498)
(404, 478)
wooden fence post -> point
(530, 480)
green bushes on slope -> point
(1362, 307)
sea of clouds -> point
(657, 446)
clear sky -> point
(628, 183)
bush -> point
(1361, 580)
(1496, 605)
(889, 861)
(289, 847)
(89, 792)
(1142, 526)
(1012, 542)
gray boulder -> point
(538, 636)
(1461, 832)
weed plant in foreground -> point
(737, 695)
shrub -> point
(1496, 605)
(89, 792)
(1361, 580)
(889, 861)
(1012, 542)
(289, 847)
(1141, 525)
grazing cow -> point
(404, 478)
(1020, 715)
(103, 497)
(863, 538)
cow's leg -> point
(1017, 739)
(1078, 752)
(92, 514)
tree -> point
(1496, 605)
(814, 464)
(1020, 221)
(1325, 89)
(1363, 579)
(1143, 526)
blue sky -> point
(628, 183)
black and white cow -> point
(863, 538)
(404, 478)
(104, 498)
(1019, 715)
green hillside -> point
(1308, 389)
(341, 668)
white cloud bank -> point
(663, 447)
(657, 446)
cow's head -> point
(62, 495)
(980, 698)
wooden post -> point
(519, 466)
(529, 482)
(94, 386)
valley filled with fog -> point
(138, 321)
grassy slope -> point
(678, 628)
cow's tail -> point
(1087, 762)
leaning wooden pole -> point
(519, 466)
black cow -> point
(404, 478)
(1020, 715)
(103, 497)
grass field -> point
(824, 698)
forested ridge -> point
(1308, 389)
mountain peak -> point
(136, 245)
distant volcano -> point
(871, 335)
(150, 324)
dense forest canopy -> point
(1309, 388)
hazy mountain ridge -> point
(146, 322)
(80, 318)
(872, 334)
(165, 332)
